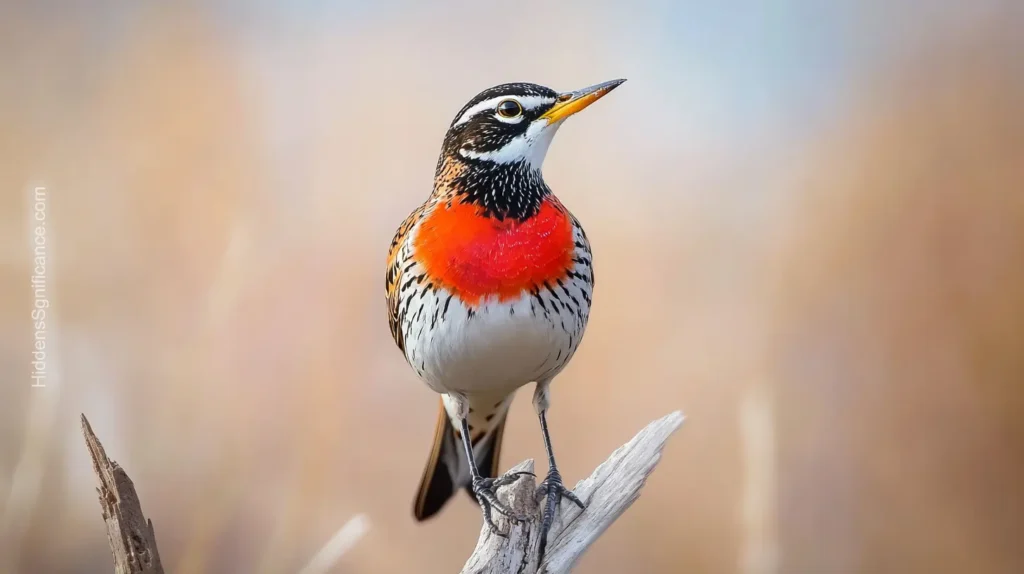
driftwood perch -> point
(608, 492)
(129, 533)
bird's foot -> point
(553, 491)
(486, 489)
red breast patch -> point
(475, 256)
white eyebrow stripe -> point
(528, 103)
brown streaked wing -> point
(393, 274)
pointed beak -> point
(571, 102)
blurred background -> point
(808, 221)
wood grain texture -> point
(130, 534)
(608, 492)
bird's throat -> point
(501, 190)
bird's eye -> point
(509, 109)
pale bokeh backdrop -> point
(808, 226)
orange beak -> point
(571, 102)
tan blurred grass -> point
(905, 280)
(221, 318)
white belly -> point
(498, 347)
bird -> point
(489, 285)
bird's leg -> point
(485, 488)
(552, 488)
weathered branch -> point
(129, 533)
(608, 492)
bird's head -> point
(513, 124)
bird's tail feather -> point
(447, 469)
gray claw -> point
(553, 489)
(486, 493)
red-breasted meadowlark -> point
(489, 287)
